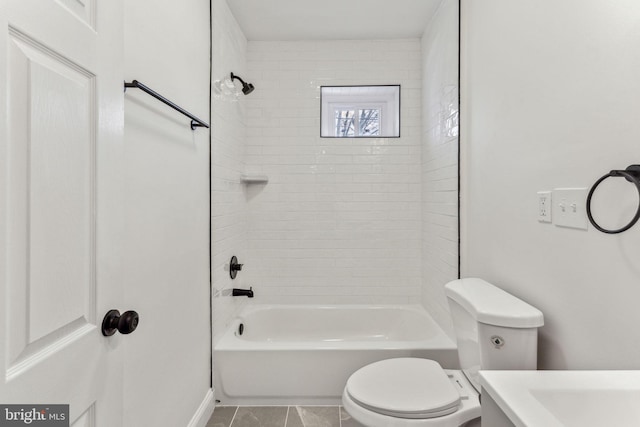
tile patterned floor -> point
(281, 416)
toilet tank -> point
(494, 329)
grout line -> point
(339, 416)
(299, 411)
(234, 416)
(286, 418)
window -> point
(360, 111)
(357, 121)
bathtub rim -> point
(229, 341)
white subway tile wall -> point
(440, 160)
(340, 220)
(229, 206)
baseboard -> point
(204, 411)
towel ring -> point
(631, 174)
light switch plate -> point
(569, 206)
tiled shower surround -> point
(366, 220)
(440, 130)
(229, 205)
(340, 220)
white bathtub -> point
(303, 355)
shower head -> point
(247, 88)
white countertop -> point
(566, 398)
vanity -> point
(560, 398)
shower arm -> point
(233, 76)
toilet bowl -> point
(411, 392)
(494, 330)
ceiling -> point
(332, 19)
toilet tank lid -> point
(493, 306)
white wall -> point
(166, 252)
(440, 160)
(550, 99)
(340, 220)
(229, 205)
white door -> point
(61, 124)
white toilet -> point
(494, 330)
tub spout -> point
(242, 292)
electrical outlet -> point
(544, 206)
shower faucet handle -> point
(234, 267)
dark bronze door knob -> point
(124, 323)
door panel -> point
(83, 9)
(61, 205)
(87, 419)
(52, 163)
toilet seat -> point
(411, 388)
(467, 413)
